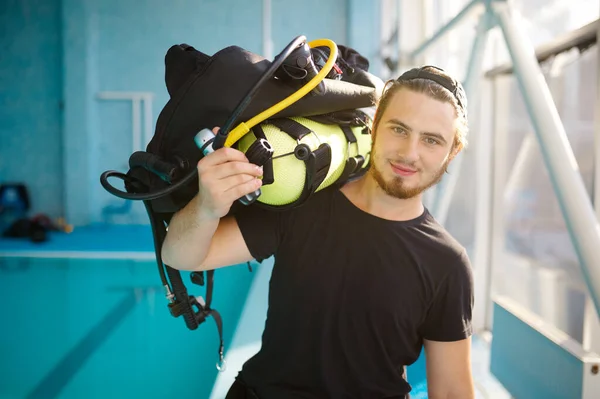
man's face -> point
(412, 143)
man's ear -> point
(454, 152)
(456, 148)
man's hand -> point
(224, 176)
(449, 369)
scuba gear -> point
(308, 140)
(300, 66)
(315, 79)
(300, 56)
(306, 157)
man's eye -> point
(398, 129)
(431, 141)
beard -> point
(396, 186)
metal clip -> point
(221, 365)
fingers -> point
(225, 170)
(239, 190)
(227, 175)
(223, 177)
(230, 183)
(226, 183)
(222, 155)
(227, 190)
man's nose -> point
(410, 150)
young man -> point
(364, 277)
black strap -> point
(353, 165)
(348, 133)
(259, 132)
(317, 167)
(208, 311)
(180, 302)
(210, 279)
(184, 307)
(219, 322)
(268, 174)
(291, 127)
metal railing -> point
(568, 185)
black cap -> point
(450, 84)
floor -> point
(486, 385)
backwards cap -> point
(453, 86)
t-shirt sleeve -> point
(261, 229)
(449, 317)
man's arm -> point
(449, 373)
(204, 244)
(447, 334)
(198, 236)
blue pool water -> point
(74, 328)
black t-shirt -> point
(352, 296)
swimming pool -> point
(98, 328)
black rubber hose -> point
(277, 62)
(219, 139)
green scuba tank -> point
(307, 156)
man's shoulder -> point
(317, 200)
(446, 259)
(441, 243)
